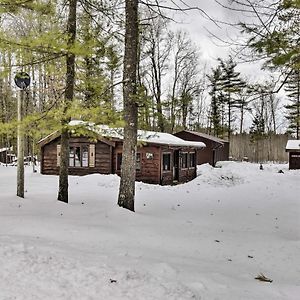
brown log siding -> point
(102, 158)
(106, 161)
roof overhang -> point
(292, 146)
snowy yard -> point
(206, 239)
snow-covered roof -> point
(206, 136)
(142, 135)
(5, 149)
(293, 145)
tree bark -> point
(20, 146)
(128, 170)
(69, 94)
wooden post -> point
(20, 144)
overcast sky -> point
(210, 48)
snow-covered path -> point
(206, 239)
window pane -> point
(184, 160)
(138, 162)
(85, 156)
(77, 157)
(166, 162)
(192, 159)
(71, 157)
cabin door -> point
(176, 165)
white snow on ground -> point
(206, 239)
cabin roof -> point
(52, 136)
(206, 136)
(5, 149)
(292, 145)
(143, 136)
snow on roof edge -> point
(293, 145)
(143, 135)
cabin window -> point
(192, 159)
(79, 156)
(71, 157)
(184, 160)
(138, 161)
(85, 156)
(166, 161)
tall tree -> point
(273, 33)
(231, 85)
(215, 103)
(128, 170)
(185, 69)
(69, 94)
(292, 89)
(156, 52)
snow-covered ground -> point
(206, 239)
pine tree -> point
(215, 105)
(231, 85)
(292, 89)
(69, 94)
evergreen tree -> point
(215, 104)
(69, 95)
(231, 85)
(292, 89)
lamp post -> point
(22, 80)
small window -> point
(119, 161)
(166, 162)
(85, 156)
(184, 160)
(192, 159)
(71, 157)
(138, 162)
(79, 156)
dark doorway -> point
(176, 165)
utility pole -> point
(22, 81)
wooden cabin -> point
(161, 157)
(6, 155)
(293, 148)
(216, 149)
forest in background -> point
(176, 89)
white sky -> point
(200, 27)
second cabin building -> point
(161, 157)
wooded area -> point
(125, 64)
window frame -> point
(192, 154)
(73, 159)
(184, 154)
(170, 160)
(138, 162)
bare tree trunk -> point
(128, 171)
(69, 94)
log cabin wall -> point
(208, 154)
(148, 167)
(102, 165)
(185, 173)
(49, 158)
(107, 161)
